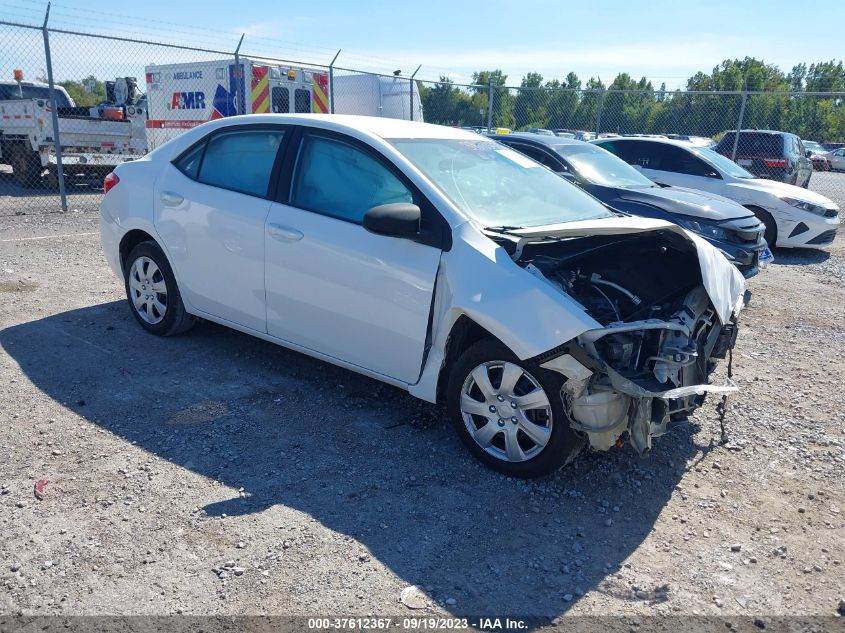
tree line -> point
(629, 106)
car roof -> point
(640, 139)
(382, 127)
(539, 139)
(752, 131)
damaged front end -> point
(649, 364)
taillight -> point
(110, 181)
(774, 162)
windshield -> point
(496, 185)
(814, 147)
(722, 162)
(600, 167)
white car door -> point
(211, 207)
(332, 286)
(837, 159)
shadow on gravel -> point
(799, 257)
(362, 458)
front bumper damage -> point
(605, 404)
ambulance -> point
(182, 96)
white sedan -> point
(793, 216)
(437, 261)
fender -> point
(527, 314)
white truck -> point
(182, 96)
(94, 140)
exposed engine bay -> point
(649, 365)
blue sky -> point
(662, 40)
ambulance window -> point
(241, 161)
(302, 100)
(281, 99)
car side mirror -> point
(808, 153)
(401, 219)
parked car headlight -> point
(705, 229)
(805, 206)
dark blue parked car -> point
(730, 227)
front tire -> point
(509, 413)
(771, 232)
(153, 295)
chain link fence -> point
(73, 105)
(706, 118)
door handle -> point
(171, 199)
(284, 233)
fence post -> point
(412, 91)
(739, 123)
(239, 76)
(602, 93)
(57, 141)
(489, 104)
(331, 82)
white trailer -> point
(94, 140)
(182, 96)
(376, 95)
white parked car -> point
(437, 261)
(793, 216)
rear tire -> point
(26, 168)
(517, 424)
(152, 293)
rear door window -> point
(189, 164)
(241, 160)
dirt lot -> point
(215, 473)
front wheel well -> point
(130, 241)
(465, 332)
(768, 220)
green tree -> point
(80, 93)
(503, 100)
(530, 107)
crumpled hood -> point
(689, 202)
(781, 190)
(722, 281)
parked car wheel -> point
(509, 413)
(152, 292)
(771, 232)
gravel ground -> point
(217, 474)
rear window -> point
(753, 144)
(8, 92)
(240, 160)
